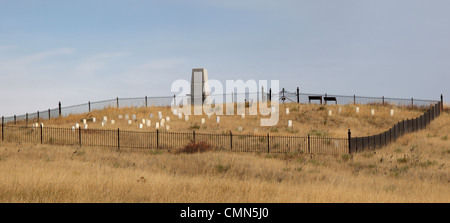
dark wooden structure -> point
(326, 98)
(315, 98)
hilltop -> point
(312, 119)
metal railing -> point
(173, 140)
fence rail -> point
(172, 140)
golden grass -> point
(414, 169)
(307, 119)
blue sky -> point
(79, 51)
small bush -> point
(402, 160)
(221, 168)
(346, 157)
(195, 126)
(195, 147)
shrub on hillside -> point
(195, 147)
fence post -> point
(59, 109)
(354, 99)
(268, 143)
(349, 141)
(157, 138)
(118, 139)
(412, 102)
(309, 145)
(231, 140)
(382, 99)
(117, 102)
(26, 119)
(41, 133)
(270, 94)
(49, 114)
(38, 116)
(298, 95)
(14, 119)
(3, 130)
(89, 106)
(146, 105)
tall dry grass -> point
(414, 169)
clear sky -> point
(79, 51)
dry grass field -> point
(413, 169)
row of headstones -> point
(372, 111)
(330, 112)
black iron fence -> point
(282, 96)
(173, 140)
(229, 141)
(233, 142)
(358, 144)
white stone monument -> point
(199, 87)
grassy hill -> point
(413, 169)
(307, 119)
